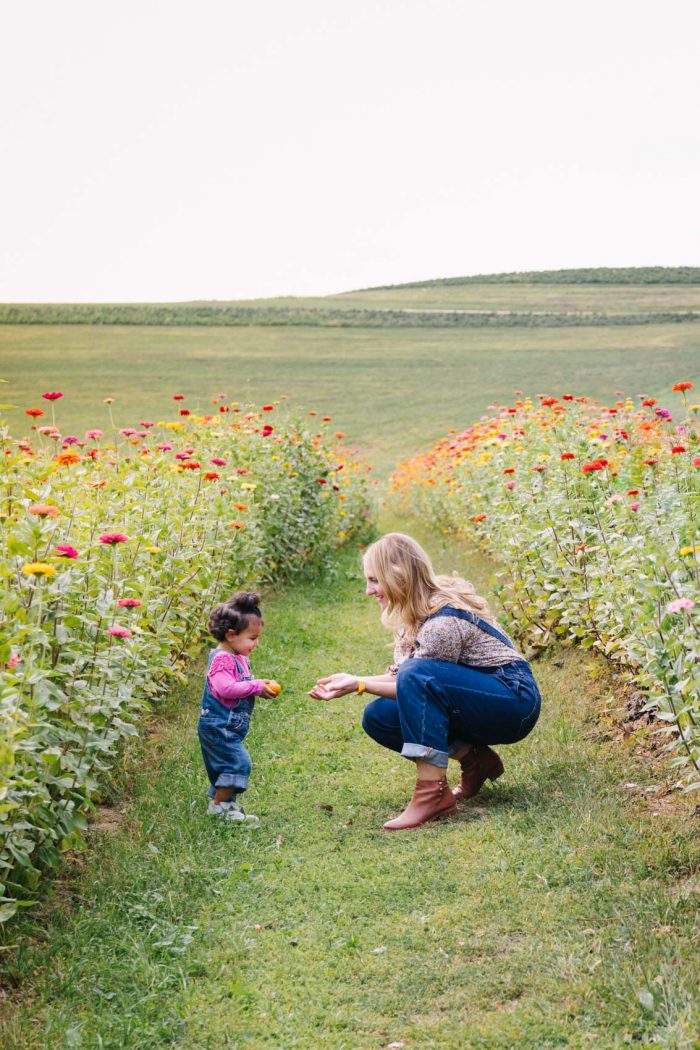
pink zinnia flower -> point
(53, 395)
(218, 462)
(71, 439)
(93, 435)
(113, 537)
(635, 506)
(66, 551)
(127, 431)
(182, 455)
(510, 484)
(119, 632)
(164, 447)
(129, 603)
(146, 423)
(678, 604)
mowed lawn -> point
(392, 391)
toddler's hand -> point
(271, 690)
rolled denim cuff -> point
(425, 754)
(232, 780)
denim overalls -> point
(221, 731)
(443, 705)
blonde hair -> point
(413, 591)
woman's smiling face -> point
(374, 589)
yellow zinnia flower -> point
(38, 568)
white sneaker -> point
(236, 812)
(231, 811)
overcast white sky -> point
(223, 149)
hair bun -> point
(246, 601)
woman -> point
(457, 684)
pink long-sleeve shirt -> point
(227, 683)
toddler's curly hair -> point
(234, 615)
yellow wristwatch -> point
(360, 687)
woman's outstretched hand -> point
(333, 686)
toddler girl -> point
(228, 701)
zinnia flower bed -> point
(594, 512)
(115, 547)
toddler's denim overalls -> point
(221, 731)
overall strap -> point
(462, 614)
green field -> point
(391, 390)
(557, 909)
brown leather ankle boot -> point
(478, 765)
(431, 799)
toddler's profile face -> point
(245, 641)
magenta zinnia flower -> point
(93, 435)
(113, 537)
(53, 395)
(129, 603)
(119, 632)
(66, 551)
(218, 462)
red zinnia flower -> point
(129, 603)
(682, 386)
(326, 419)
(53, 395)
(113, 537)
(597, 464)
(696, 461)
(178, 397)
(191, 466)
(632, 492)
(539, 468)
(268, 408)
(35, 412)
(66, 551)
(119, 632)
(479, 517)
(650, 462)
(184, 411)
(267, 430)
(509, 470)
(321, 481)
(567, 455)
(211, 475)
(224, 408)
(648, 401)
(677, 448)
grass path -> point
(558, 909)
